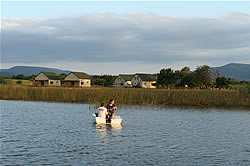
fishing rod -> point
(126, 113)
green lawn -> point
(13, 81)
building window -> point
(82, 83)
(56, 81)
(51, 82)
(145, 83)
(87, 82)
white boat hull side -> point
(115, 120)
(100, 120)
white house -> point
(144, 80)
(77, 79)
(123, 80)
(47, 79)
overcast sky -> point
(112, 38)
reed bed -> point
(128, 96)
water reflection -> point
(103, 129)
(106, 132)
(36, 133)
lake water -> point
(40, 133)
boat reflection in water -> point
(108, 127)
(105, 134)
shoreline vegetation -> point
(128, 96)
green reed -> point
(128, 96)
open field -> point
(13, 81)
(124, 96)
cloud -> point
(148, 39)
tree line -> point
(202, 77)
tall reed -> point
(128, 96)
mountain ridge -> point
(237, 71)
(30, 70)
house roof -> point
(127, 77)
(52, 76)
(81, 75)
(147, 77)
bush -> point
(222, 82)
(19, 82)
(3, 81)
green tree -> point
(190, 80)
(103, 80)
(99, 81)
(204, 76)
(20, 76)
(222, 82)
(63, 75)
(2, 81)
(185, 71)
(19, 82)
(166, 77)
(109, 80)
(178, 75)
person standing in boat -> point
(102, 111)
(111, 107)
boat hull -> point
(101, 120)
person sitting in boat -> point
(102, 111)
(111, 107)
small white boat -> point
(115, 120)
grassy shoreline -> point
(128, 96)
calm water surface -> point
(39, 133)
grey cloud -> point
(127, 38)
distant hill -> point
(233, 70)
(28, 71)
(4, 73)
(237, 71)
